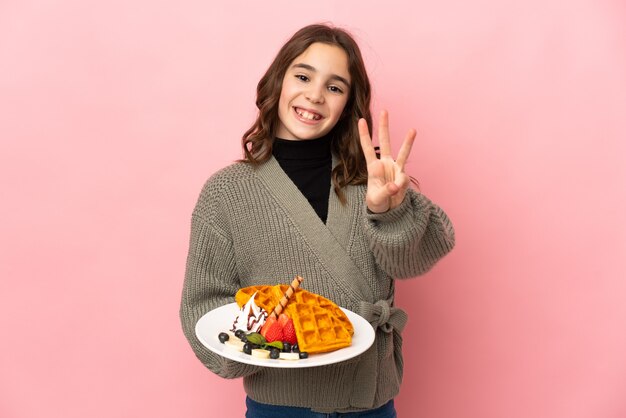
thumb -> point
(392, 188)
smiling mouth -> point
(305, 114)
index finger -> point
(366, 141)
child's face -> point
(314, 92)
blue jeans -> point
(261, 410)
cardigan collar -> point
(328, 241)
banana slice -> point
(289, 356)
(260, 353)
(234, 344)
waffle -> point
(320, 325)
(267, 297)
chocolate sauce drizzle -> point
(252, 320)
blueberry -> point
(247, 348)
(286, 347)
(295, 348)
(223, 337)
(304, 354)
(239, 333)
(274, 353)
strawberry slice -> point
(282, 319)
(274, 332)
(289, 332)
(268, 323)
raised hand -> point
(386, 180)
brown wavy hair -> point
(258, 140)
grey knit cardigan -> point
(252, 226)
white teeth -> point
(308, 115)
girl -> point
(311, 197)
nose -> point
(315, 94)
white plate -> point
(221, 320)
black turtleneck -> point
(308, 164)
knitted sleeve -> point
(409, 239)
(210, 282)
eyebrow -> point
(311, 68)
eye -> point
(302, 77)
(335, 89)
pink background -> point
(113, 114)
